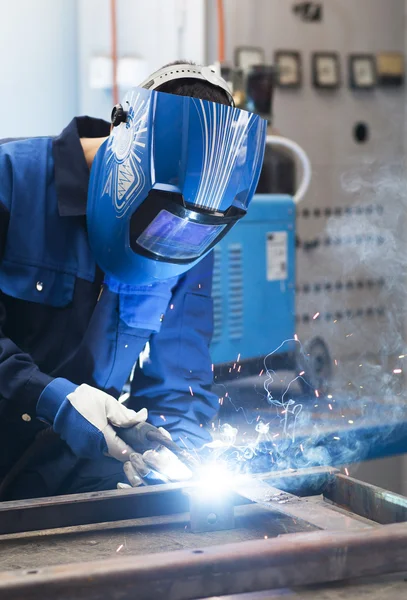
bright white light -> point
(215, 479)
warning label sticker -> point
(276, 255)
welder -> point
(106, 234)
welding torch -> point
(144, 436)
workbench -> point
(151, 555)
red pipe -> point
(113, 34)
(221, 31)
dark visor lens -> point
(174, 237)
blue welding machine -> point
(254, 284)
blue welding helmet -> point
(171, 180)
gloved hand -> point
(154, 466)
(84, 419)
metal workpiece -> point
(287, 561)
(149, 501)
(367, 500)
(350, 546)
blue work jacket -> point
(59, 319)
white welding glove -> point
(160, 463)
(85, 420)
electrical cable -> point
(276, 140)
(113, 41)
(221, 31)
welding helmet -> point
(172, 179)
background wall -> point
(323, 122)
(38, 66)
(156, 31)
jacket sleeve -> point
(21, 381)
(173, 377)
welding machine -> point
(254, 289)
(254, 284)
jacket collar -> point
(71, 169)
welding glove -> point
(155, 466)
(84, 417)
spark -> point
(350, 422)
(227, 394)
(330, 406)
(119, 548)
(171, 307)
(315, 405)
(262, 428)
(336, 321)
(238, 357)
(346, 471)
(163, 418)
(296, 337)
(230, 370)
(234, 366)
(261, 372)
(360, 365)
(336, 438)
(266, 537)
(199, 286)
(361, 387)
(329, 397)
(349, 335)
(402, 356)
(221, 401)
(275, 435)
(302, 373)
(213, 367)
(124, 451)
(316, 316)
(397, 371)
(190, 389)
(317, 393)
(240, 366)
(336, 362)
(213, 425)
(302, 448)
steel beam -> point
(288, 561)
(367, 500)
(101, 507)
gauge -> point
(289, 70)
(362, 71)
(326, 70)
(248, 56)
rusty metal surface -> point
(292, 560)
(108, 506)
(367, 500)
(314, 513)
(137, 537)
